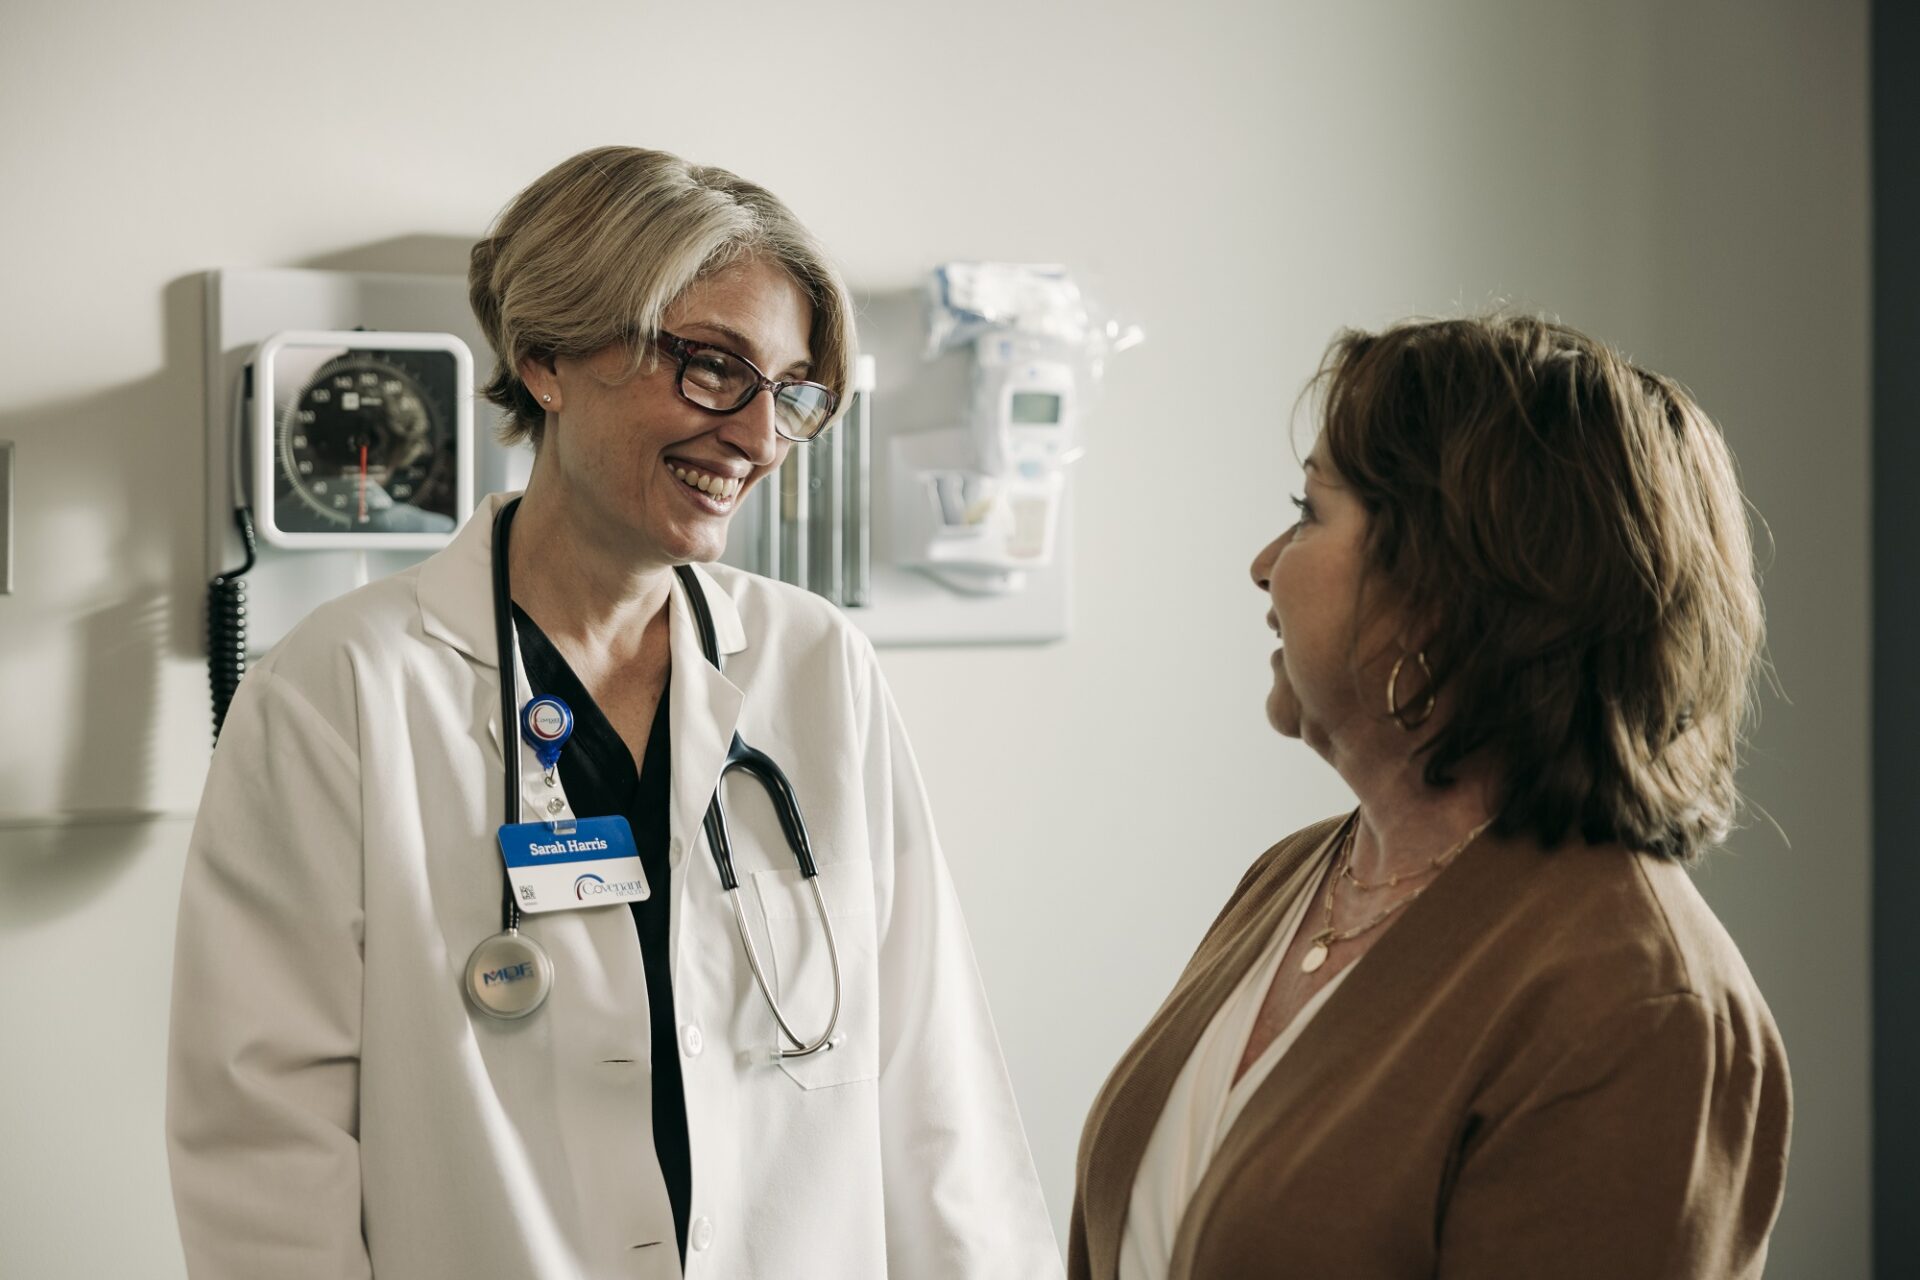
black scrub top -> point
(596, 768)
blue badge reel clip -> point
(546, 723)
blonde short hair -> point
(598, 248)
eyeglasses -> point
(720, 382)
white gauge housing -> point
(373, 500)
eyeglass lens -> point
(722, 381)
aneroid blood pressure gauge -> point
(362, 439)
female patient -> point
(1483, 1026)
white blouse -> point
(1205, 1102)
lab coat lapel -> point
(456, 586)
(705, 706)
(457, 607)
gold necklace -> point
(1328, 935)
(1398, 878)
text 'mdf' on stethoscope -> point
(510, 947)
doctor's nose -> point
(749, 429)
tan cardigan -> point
(1553, 1065)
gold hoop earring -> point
(1394, 708)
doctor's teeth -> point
(713, 486)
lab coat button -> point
(692, 1042)
(702, 1234)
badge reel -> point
(510, 975)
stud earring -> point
(546, 399)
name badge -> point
(594, 865)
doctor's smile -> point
(719, 490)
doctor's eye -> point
(713, 369)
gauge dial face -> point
(367, 445)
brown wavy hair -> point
(1569, 532)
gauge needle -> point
(363, 484)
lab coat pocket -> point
(801, 971)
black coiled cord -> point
(227, 626)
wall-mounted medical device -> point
(361, 439)
(937, 509)
(344, 443)
(977, 506)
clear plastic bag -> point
(1038, 304)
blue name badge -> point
(594, 865)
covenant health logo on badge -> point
(590, 886)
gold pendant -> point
(1315, 957)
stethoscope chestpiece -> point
(509, 976)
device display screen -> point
(1035, 408)
(365, 441)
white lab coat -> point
(335, 1108)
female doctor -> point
(358, 1084)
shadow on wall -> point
(111, 590)
(109, 587)
(415, 254)
(52, 871)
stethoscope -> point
(511, 951)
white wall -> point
(1688, 180)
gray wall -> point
(1690, 180)
(1896, 622)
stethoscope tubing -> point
(509, 657)
(740, 756)
(801, 1047)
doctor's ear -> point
(541, 380)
